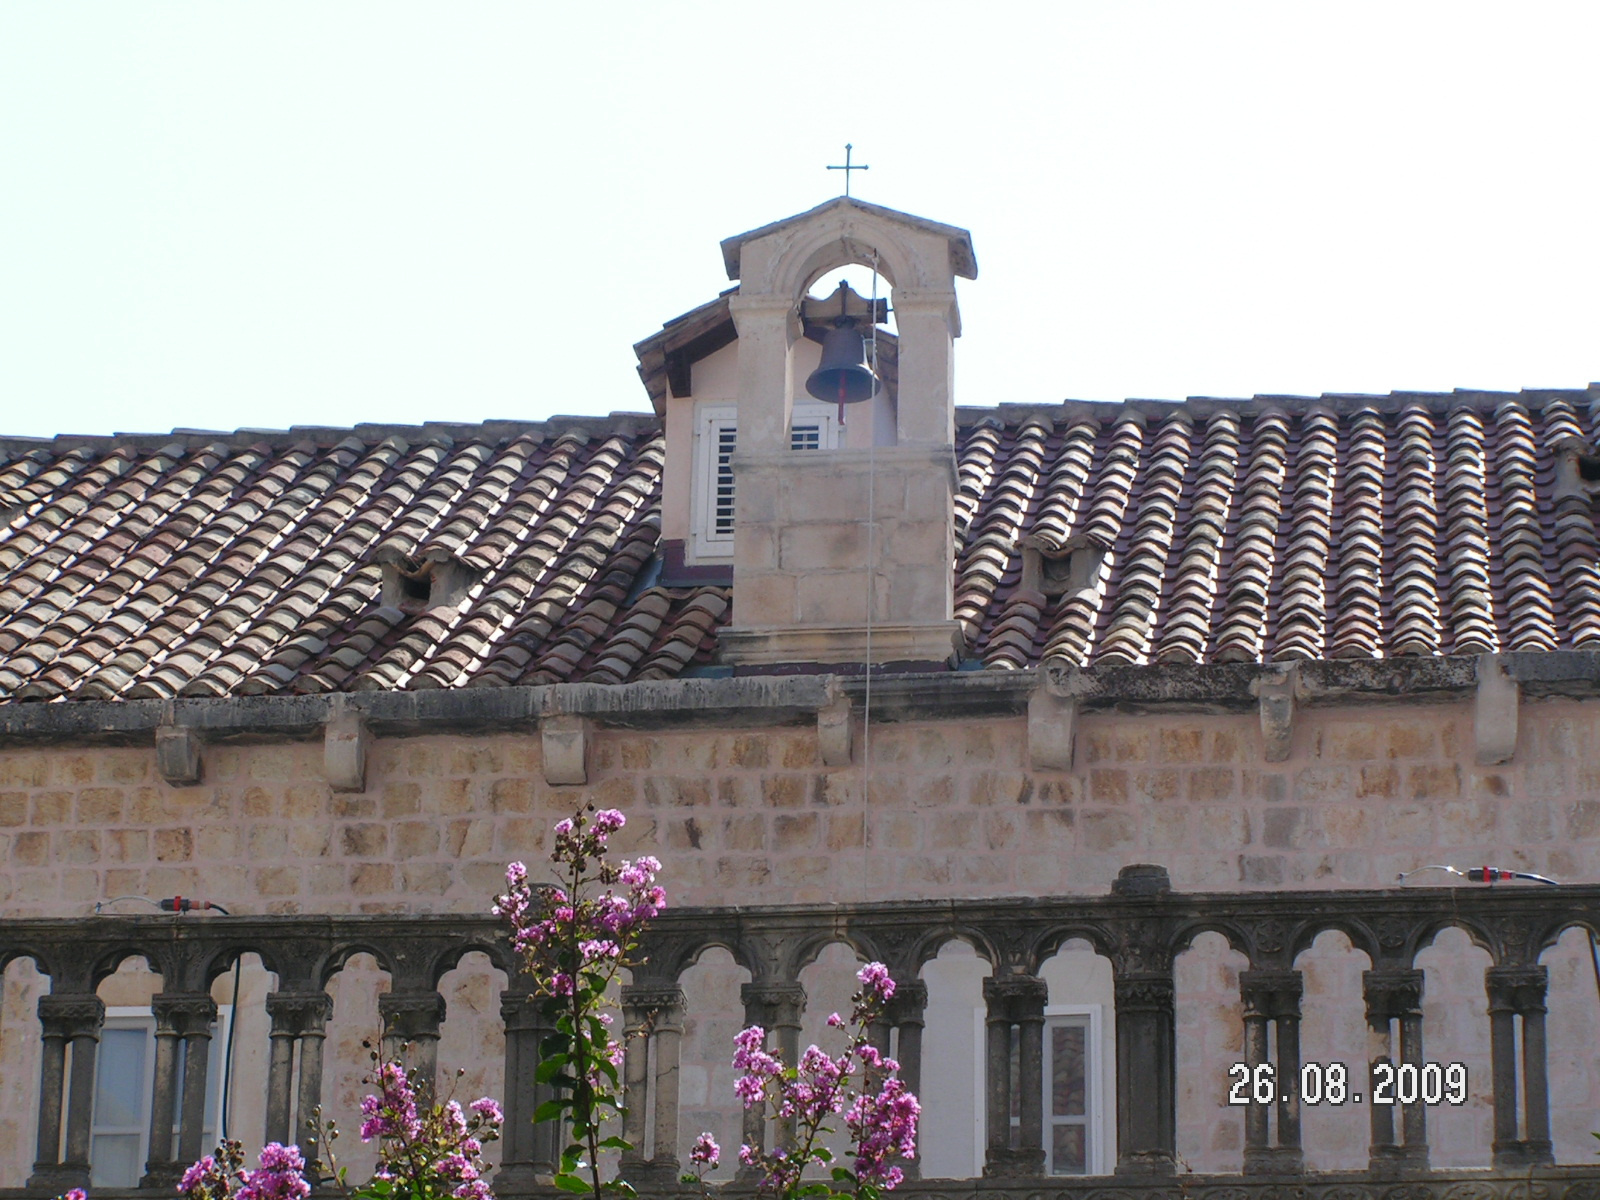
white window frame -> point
(1094, 1072)
(712, 419)
(142, 1017)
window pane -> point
(114, 1160)
(119, 1078)
(1066, 1071)
(1067, 1150)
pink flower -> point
(608, 820)
(705, 1151)
(874, 977)
(487, 1109)
(281, 1175)
(192, 1178)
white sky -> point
(222, 215)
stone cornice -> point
(756, 701)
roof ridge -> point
(497, 432)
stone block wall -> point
(943, 809)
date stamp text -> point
(1381, 1083)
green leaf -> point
(548, 1069)
(551, 1110)
(844, 1175)
(823, 1154)
(615, 1143)
(572, 1183)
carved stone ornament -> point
(1392, 993)
(71, 1015)
(299, 1012)
(411, 1015)
(1149, 993)
(188, 1014)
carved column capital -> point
(1518, 989)
(1144, 993)
(1392, 993)
(1271, 993)
(296, 1013)
(1015, 999)
(186, 1014)
(774, 1004)
(660, 1006)
(909, 1002)
(71, 1014)
(411, 1016)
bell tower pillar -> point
(845, 555)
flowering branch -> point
(882, 1123)
(575, 941)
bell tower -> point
(845, 555)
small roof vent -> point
(418, 584)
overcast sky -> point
(225, 215)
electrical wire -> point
(872, 567)
(227, 1054)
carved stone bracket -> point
(178, 755)
(344, 748)
(1277, 689)
(566, 750)
(1494, 712)
(834, 732)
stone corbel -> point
(1494, 715)
(178, 754)
(566, 750)
(834, 733)
(1277, 688)
(1053, 715)
(344, 748)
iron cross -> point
(847, 168)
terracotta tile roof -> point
(210, 564)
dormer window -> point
(814, 426)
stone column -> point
(1272, 997)
(84, 1034)
(1519, 991)
(776, 1007)
(1147, 1136)
(654, 1014)
(1394, 994)
(668, 1036)
(313, 1032)
(528, 1150)
(193, 1014)
(291, 1013)
(635, 1080)
(64, 1017)
(178, 1015)
(905, 1013)
(1015, 1000)
(160, 1166)
(412, 1019)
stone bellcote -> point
(837, 549)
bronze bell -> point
(843, 376)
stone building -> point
(1164, 698)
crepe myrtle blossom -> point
(882, 1122)
(430, 1150)
(575, 935)
(280, 1175)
